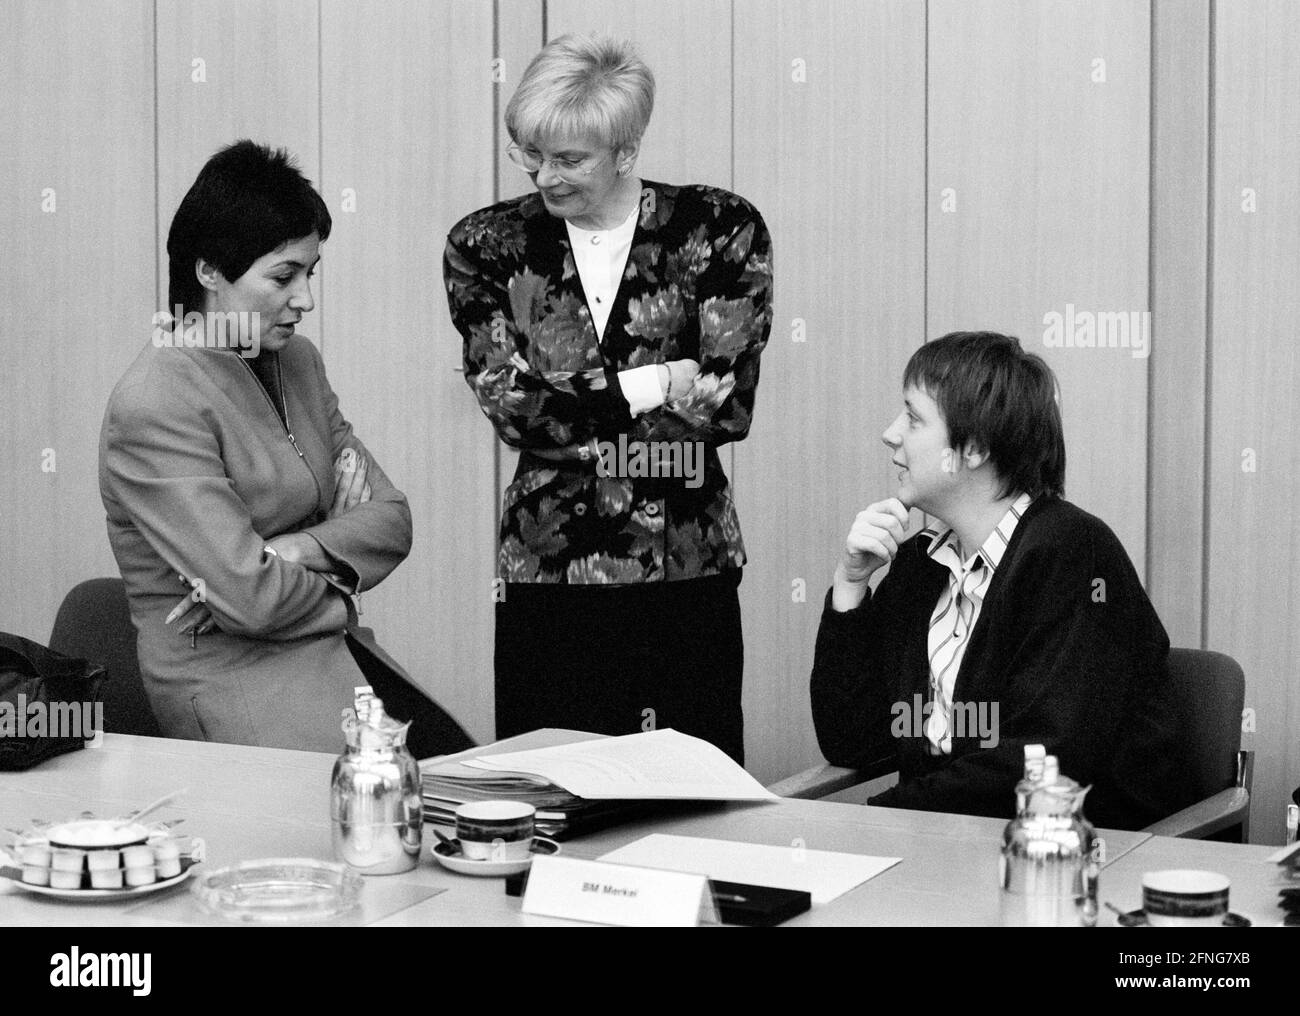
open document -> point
(656, 765)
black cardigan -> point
(1068, 646)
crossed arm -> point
(351, 488)
(165, 476)
(558, 414)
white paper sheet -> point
(659, 764)
(823, 873)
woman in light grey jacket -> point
(233, 484)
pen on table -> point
(730, 898)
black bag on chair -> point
(47, 702)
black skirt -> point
(622, 659)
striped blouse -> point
(956, 614)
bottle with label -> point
(1050, 853)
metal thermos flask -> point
(1050, 853)
(375, 792)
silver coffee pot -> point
(375, 792)
(1050, 854)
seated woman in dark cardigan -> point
(1017, 618)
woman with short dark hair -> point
(229, 475)
(1017, 618)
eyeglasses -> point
(566, 169)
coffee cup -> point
(495, 830)
(1185, 898)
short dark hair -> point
(991, 392)
(247, 201)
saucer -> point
(462, 865)
(1138, 919)
(15, 876)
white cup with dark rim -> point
(495, 830)
(1185, 898)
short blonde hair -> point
(583, 85)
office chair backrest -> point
(94, 623)
(1210, 690)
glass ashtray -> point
(279, 890)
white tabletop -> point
(262, 802)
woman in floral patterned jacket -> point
(612, 330)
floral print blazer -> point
(697, 285)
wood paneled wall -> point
(831, 99)
(923, 166)
(1254, 367)
(1038, 184)
(390, 346)
(1180, 131)
(77, 250)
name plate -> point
(617, 894)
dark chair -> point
(94, 624)
(1210, 690)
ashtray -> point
(279, 890)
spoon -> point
(152, 807)
(452, 846)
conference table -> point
(248, 803)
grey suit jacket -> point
(197, 472)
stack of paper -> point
(581, 786)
